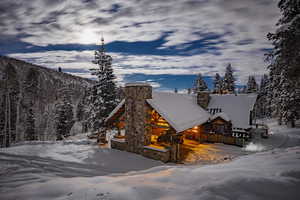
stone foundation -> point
(156, 154)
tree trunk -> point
(19, 136)
(5, 122)
(9, 120)
(280, 119)
(293, 123)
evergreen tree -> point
(199, 84)
(223, 86)
(228, 82)
(31, 91)
(104, 93)
(285, 63)
(9, 97)
(217, 83)
(268, 97)
(251, 85)
(263, 85)
(30, 133)
(64, 115)
(262, 99)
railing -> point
(226, 139)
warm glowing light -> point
(89, 36)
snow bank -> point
(76, 128)
(254, 147)
(273, 174)
(268, 175)
(70, 151)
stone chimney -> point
(137, 116)
(203, 99)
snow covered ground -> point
(78, 170)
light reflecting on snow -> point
(111, 174)
(254, 147)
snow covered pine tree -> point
(251, 85)
(285, 63)
(64, 115)
(217, 84)
(228, 82)
(263, 97)
(199, 84)
(103, 94)
(30, 133)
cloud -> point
(153, 64)
(149, 36)
(62, 21)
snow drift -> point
(254, 147)
(267, 175)
(76, 171)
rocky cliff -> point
(28, 95)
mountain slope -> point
(28, 94)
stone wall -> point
(119, 144)
(157, 154)
(203, 99)
(137, 116)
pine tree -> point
(30, 133)
(217, 83)
(285, 63)
(263, 84)
(104, 93)
(228, 82)
(10, 89)
(31, 88)
(251, 85)
(263, 98)
(199, 84)
(64, 115)
(268, 98)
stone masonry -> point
(203, 99)
(137, 116)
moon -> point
(89, 36)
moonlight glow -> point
(89, 36)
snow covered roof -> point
(236, 107)
(182, 112)
(179, 110)
(222, 115)
(115, 110)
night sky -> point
(163, 42)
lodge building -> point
(160, 125)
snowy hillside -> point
(78, 169)
(30, 94)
